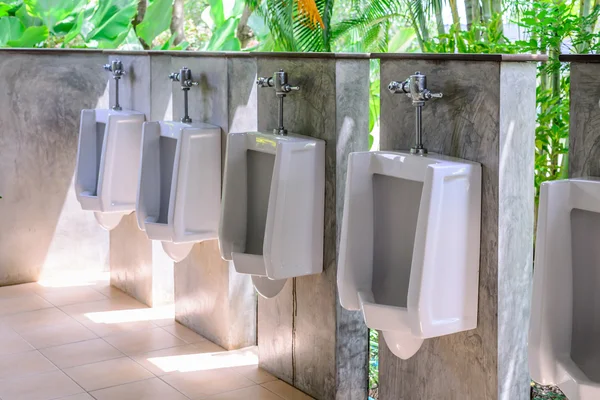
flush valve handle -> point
(184, 76)
(116, 67)
(279, 81)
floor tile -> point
(67, 332)
(255, 374)
(45, 386)
(20, 364)
(161, 362)
(132, 343)
(26, 321)
(107, 373)
(16, 305)
(80, 353)
(80, 396)
(184, 333)
(205, 383)
(11, 342)
(150, 389)
(208, 347)
(17, 290)
(71, 295)
(250, 393)
(286, 391)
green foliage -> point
(373, 359)
(156, 20)
(224, 23)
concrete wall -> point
(584, 133)
(304, 336)
(139, 266)
(210, 297)
(487, 115)
(43, 229)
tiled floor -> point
(89, 341)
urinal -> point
(108, 157)
(273, 207)
(272, 214)
(409, 249)
(178, 198)
(564, 331)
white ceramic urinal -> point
(273, 207)
(108, 159)
(180, 184)
(564, 332)
(409, 250)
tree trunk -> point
(243, 32)
(469, 13)
(141, 12)
(178, 22)
(439, 17)
(486, 5)
(455, 16)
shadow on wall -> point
(42, 227)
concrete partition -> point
(210, 297)
(487, 115)
(584, 126)
(43, 229)
(304, 336)
(138, 266)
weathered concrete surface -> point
(43, 227)
(584, 129)
(304, 336)
(138, 265)
(210, 297)
(487, 115)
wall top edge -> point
(462, 57)
(585, 58)
(383, 56)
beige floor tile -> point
(150, 389)
(70, 295)
(107, 373)
(11, 342)
(132, 343)
(80, 396)
(161, 362)
(45, 386)
(208, 347)
(250, 393)
(80, 310)
(20, 364)
(80, 353)
(67, 332)
(26, 321)
(205, 383)
(17, 290)
(21, 304)
(184, 333)
(286, 391)
(255, 374)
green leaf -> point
(216, 12)
(110, 22)
(32, 36)
(156, 20)
(53, 12)
(10, 29)
(224, 37)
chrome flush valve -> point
(279, 81)
(184, 76)
(116, 67)
(415, 87)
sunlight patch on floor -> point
(207, 361)
(132, 315)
